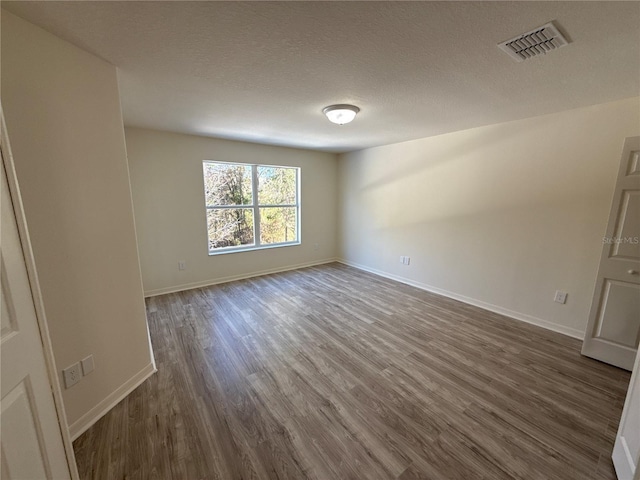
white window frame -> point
(255, 207)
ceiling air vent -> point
(536, 42)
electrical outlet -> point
(561, 297)
(182, 265)
(72, 375)
(87, 365)
(316, 246)
(402, 260)
(407, 260)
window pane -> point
(278, 225)
(277, 185)
(227, 184)
(230, 227)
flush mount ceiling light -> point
(341, 114)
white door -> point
(613, 330)
(626, 450)
(32, 441)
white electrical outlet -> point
(316, 246)
(561, 297)
(87, 365)
(407, 260)
(72, 375)
(402, 260)
(182, 265)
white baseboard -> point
(232, 278)
(81, 425)
(523, 317)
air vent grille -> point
(536, 42)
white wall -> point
(168, 197)
(63, 117)
(500, 216)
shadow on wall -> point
(503, 215)
(491, 169)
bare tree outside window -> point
(250, 206)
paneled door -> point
(613, 330)
(32, 441)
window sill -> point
(250, 248)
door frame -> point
(623, 461)
(25, 241)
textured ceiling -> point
(263, 71)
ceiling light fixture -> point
(341, 114)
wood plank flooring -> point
(333, 373)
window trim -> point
(255, 206)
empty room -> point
(316, 240)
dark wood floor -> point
(332, 373)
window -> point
(251, 206)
